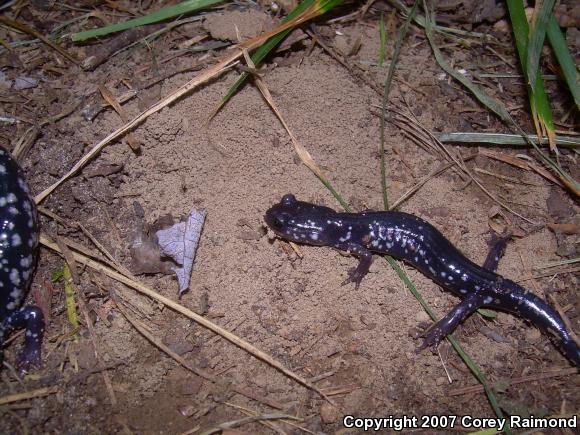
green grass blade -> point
(262, 51)
(565, 59)
(387, 89)
(70, 302)
(477, 91)
(536, 39)
(501, 139)
(520, 28)
(480, 376)
(537, 95)
(382, 40)
(420, 20)
(182, 8)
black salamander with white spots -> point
(18, 250)
(417, 242)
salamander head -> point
(299, 221)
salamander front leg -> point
(32, 319)
(365, 259)
(447, 324)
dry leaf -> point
(180, 242)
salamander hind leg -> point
(497, 246)
(32, 319)
(446, 325)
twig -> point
(521, 380)
(24, 28)
(246, 420)
(28, 395)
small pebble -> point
(328, 413)
(422, 316)
(533, 335)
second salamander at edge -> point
(417, 242)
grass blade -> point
(392, 262)
(536, 37)
(70, 302)
(420, 20)
(565, 59)
(501, 139)
(182, 8)
(541, 112)
(388, 81)
(477, 91)
(382, 40)
(306, 10)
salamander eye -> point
(288, 199)
(277, 223)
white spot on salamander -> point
(16, 240)
(488, 300)
(14, 277)
(345, 238)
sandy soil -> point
(356, 345)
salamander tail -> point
(547, 319)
